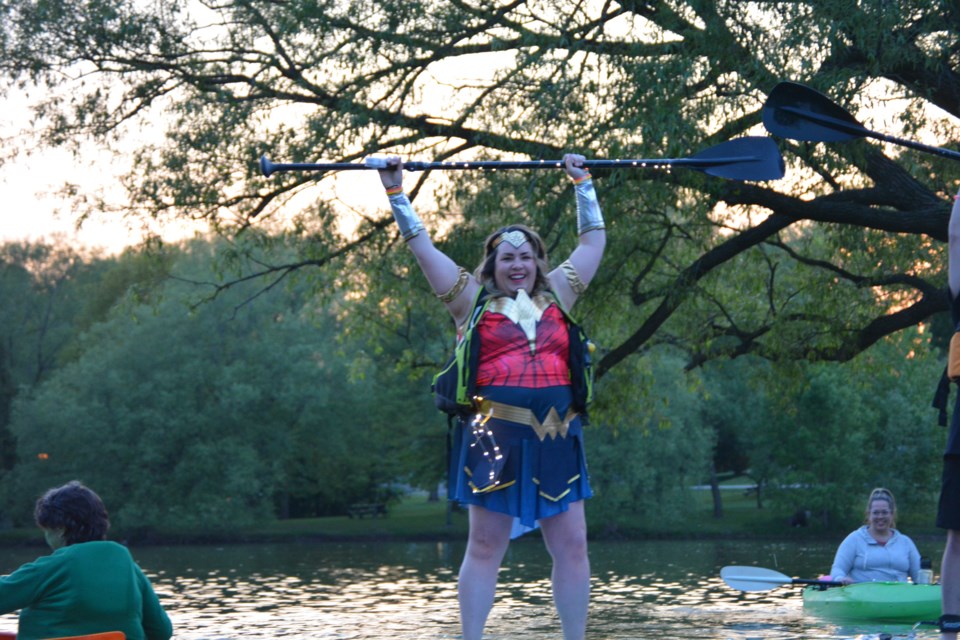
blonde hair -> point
(882, 494)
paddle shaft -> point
(858, 130)
(747, 578)
(745, 158)
(822, 583)
(778, 580)
(269, 167)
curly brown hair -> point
(76, 509)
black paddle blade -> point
(798, 112)
(747, 158)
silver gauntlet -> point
(589, 216)
(407, 219)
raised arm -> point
(453, 285)
(571, 278)
(953, 231)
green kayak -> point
(881, 601)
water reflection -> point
(404, 591)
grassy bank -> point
(417, 519)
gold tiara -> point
(515, 237)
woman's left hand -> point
(573, 165)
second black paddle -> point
(798, 112)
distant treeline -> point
(186, 402)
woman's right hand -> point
(392, 176)
(573, 164)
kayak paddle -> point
(744, 578)
(746, 158)
(798, 112)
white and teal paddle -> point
(744, 578)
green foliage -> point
(819, 437)
(262, 404)
(52, 287)
(825, 266)
(798, 269)
(234, 412)
(647, 445)
(53, 293)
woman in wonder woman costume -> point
(524, 377)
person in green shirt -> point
(88, 584)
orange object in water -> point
(106, 635)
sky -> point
(31, 210)
(28, 211)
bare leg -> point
(565, 535)
(950, 577)
(486, 544)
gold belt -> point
(553, 425)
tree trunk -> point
(715, 490)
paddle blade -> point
(753, 578)
(798, 112)
(747, 158)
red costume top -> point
(506, 358)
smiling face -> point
(880, 516)
(515, 268)
(514, 258)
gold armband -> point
(450, 295)
(573, 277)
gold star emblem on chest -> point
(523, 311)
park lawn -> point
(743, 519)
(415, 518)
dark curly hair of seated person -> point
(75, 509)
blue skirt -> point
(536, 478)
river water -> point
(400, 591)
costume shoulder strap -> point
(479, 304)
(563, 309)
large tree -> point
(252, 405)
(818, 266)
